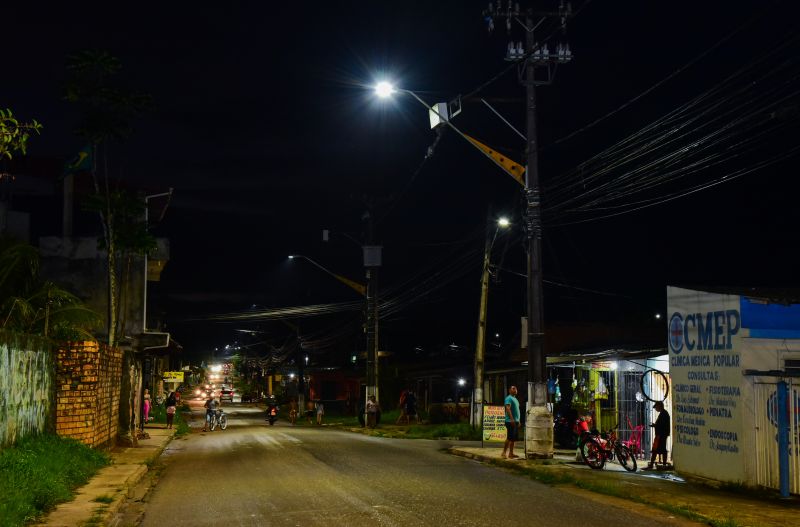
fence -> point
(766, 423)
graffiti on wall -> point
(26, 379)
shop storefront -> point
(613, 389)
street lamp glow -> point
(658, 316)
(384, 89)
(503, 222)
(462, 381)
(291, 257)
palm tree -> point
(31, 305)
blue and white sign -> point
(704, 336)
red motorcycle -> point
(596, 449)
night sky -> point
(265, 124)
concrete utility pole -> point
(372, 261)
(539, 420)
(480, 342)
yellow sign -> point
(172, 376)
(494, 424)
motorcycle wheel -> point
(592, 454)
(223, 422)
(626, 458)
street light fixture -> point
(480, 344)
(384, 89)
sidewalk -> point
(97, 501)
(663, 490)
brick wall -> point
(88, 379)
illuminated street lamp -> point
(480, 342)
(384, 89)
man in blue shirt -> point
(512, 423)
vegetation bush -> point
(40, 472)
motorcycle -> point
(563, 432)
(272, 414)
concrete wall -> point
(88, 378)
(26, 384)
(80, 267)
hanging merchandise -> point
(558, 393)
(602, 389)
(551, 386)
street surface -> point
(254, 475)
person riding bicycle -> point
(211, 406)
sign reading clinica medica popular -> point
(706, 372)
(494, 424)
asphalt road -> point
(255, 475)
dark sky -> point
(264, 124)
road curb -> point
(117, 481)
(127, 488)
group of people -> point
(408, 407)
(171, 404)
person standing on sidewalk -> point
(320, 409)
(661, 432)
(512, 423)
(172, 406)
(372, 411)
(147, 406)
(402, 406)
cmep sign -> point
(703, 331)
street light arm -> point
(451, 125)
(359, 288)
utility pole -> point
(480, 343)
(372, 261)
(533, 57)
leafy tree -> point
(31, 305)
(130, 237)
(14, 134)
(106, 113)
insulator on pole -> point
(508, 25)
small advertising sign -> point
(494, 424)
(172, 376)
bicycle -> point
(219, 418)
(599, 448)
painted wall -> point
(26, 387)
